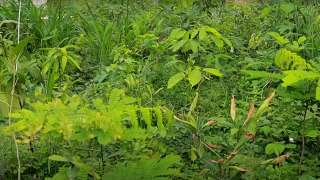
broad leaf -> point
(287, 7)
(177, 34)
(312, 133)
(214, 72)
(194, 77)
(178, 45)
(175, 79)
(280, 39)
(294, 76)
(275, 148)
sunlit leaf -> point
(280, 39)
(194, 103)
(294, 76)
(318, 91)
(275, 148)
(58, 158)
(194, 76)
(175, 79)
(214, 72)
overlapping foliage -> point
(185, 89)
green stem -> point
(303, 138)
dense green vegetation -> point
(160, 89)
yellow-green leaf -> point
(194, 77)
(280, 39)
(64, 61)
(202, 35)
(275, 148)
(295, 76)
(194, 103)
(214, 72)
(318, 91)
(58, 158)
(175, 79)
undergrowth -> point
(159, 89)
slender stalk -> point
(127, 17)
(19, 20)
(59, 10)
(211, 149)
(14, 83)
(303, 138)
(102, 157)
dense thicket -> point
(160, 89)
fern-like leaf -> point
(160, 124)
